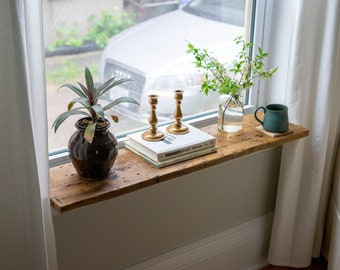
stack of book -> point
(173, 148)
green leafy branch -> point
(239, 77)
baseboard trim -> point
(241, 247)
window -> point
(145, 40)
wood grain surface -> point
(130, 172)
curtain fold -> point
(307, 165)
(26, 229)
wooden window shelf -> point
(130, 172)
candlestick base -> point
(177, 129)
(153, 136)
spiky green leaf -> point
(114, 84)
(89, 94)
(85, 90)
(62, 117)
(75, 89)
(98, 109)
(105, 98)
(83, 101)
(101, 87)
(120, 100)
(89, 80)
(89, 131)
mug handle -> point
(264, 110)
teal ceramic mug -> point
(275, 118)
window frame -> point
(257, 21)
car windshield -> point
(226, 11)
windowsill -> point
(131, 172)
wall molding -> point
(241, 247)
(331, 241)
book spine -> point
(185, 150)
(185, 157)
(140, 148)
(173, 160)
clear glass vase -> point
(230, 113)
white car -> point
(153, 54)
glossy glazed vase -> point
(93, 160)
(230, 114)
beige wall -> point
(146, 223)
(73, 13)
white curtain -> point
(307, 166)
(26, 231)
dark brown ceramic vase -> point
(93, 160)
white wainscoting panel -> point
(243, 247)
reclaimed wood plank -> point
(131, 172)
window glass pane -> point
(144, 40)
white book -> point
(172, 145)
(171, 161)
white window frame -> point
(260, 19)
(257, 23)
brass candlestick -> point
(178, 127)
(153, 134)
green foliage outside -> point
(66, 37)
(68, 71)
(102, 29)
(108, 26)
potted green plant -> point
(231, 80)
(92, 148)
